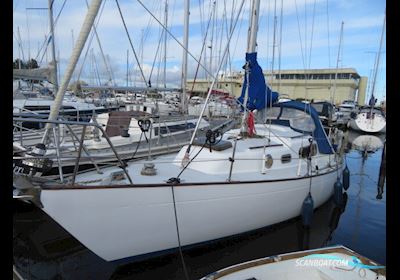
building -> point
(313, 84)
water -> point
(44, 250)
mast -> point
(165, 43)
(212, 36)
(20, 44)
(80, 43)
(378, 57)
(106, 64)
(127, 67)
(53, 48)
(337, 64)
(184, 58)
(251, 48)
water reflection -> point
(382, 174)
(366, 143)
(363, 225)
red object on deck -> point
(251, 130)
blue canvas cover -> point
(260, 94)
(319, 134)
(372, 101)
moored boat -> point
(336, 262)
(369, 120)
(226, 188)
(214, 187)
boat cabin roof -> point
(301, 117)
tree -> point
(17, 62)
(32, 63)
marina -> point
(206, 172)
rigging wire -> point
(178, 235)
(215, 77)
(90, 41)
(280, 47)
(329, 43)
(108, 67)
(202, 49)
(155, 57)
(301, 43)
(238, 34)
(130, 42)
(221, 30)
(228, 66)
(27, 28)
(48, 37)
(174, 37)
(210, 138)
(145, 34)
(312, 35)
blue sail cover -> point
(260, 95)
(319, 134)
(372, 101)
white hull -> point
(372, 125)
(122, 222)
(119, 216)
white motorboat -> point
(348, 106)
(32, 104)
(221, 105)
(337, 262)
(345, 112)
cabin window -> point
(174, 128)
(67, 108)
(268, 161)
(273, 113)
(36, 108)
(298, 119)
(286, 158)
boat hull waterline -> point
(120, 222)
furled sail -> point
(372, 101)
(260, 95)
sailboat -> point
(371, 119)
(214, 187)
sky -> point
(307, 36)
